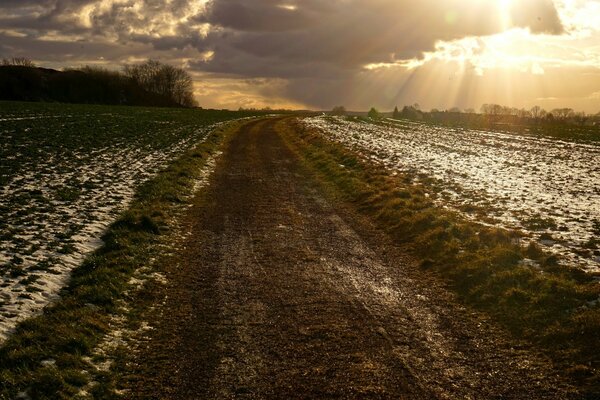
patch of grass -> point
(596, 228)
(537, 223)
(68, 194)
(548, 305)
(69, 329)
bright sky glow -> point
(517, 48)
(516, 55)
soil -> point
(281, 293)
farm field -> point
(66, 171)
(547, 189)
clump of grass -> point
(534, 251)
(538, 223)
(549, 305)
(68, 194)
(596, 226)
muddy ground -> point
(283, 294)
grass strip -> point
(45, 357)
(552, 306)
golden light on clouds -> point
(511, 60)
(160, 25)
(518, 48)
(249, 93)
(289, 7)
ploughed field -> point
(548, 189)
(66, 171)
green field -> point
(66, 172)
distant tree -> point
(182, 87)
(523, 113)
(563, 114)
(339, 110)
(580, 118)
(18, 62)
(492, 110)
(455, 110)
(165, 80)
(416, 106)
(537, 112)
(469, 110)
(410, 112)
(374, 114)
(396, 113)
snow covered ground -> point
(64, 179)
(547, 188)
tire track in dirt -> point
(279, 294)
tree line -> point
(492, 113)
(537, 113)
(149, 84)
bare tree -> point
(563, 113)
(339, 110)
(165, 80)
(580, 118)
(537, 112)
(492, 109)
(523, 113)
(18, 62)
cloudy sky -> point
(320, 53)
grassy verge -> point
(46, 356)
(551, 305)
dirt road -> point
(282, 295)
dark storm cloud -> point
(261, 16)
(352, 33)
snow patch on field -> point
(121, 334)
(547, 188)
(58, 205)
